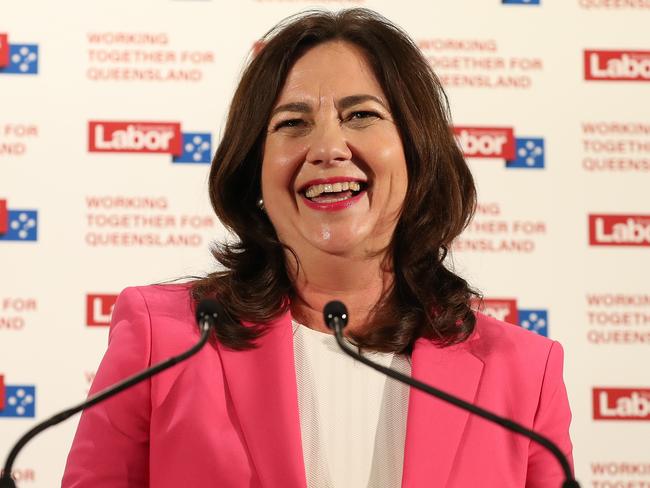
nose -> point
(328, 145)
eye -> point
(361, 118)
(289, 123)
(362, 114)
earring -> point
(260, 204)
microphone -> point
(207, 312)
(336, 318)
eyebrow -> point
(343, 103)
(347, 102)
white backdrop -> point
(561, 89)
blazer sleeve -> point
(110, 448)
(552, 420)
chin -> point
(340, 244)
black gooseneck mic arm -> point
(336, 318)
(207, 312)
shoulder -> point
(164, 313)
(160, 300)
(494, 340)
(517, 358)
(523, 379)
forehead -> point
(332, 69)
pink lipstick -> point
(338, 200)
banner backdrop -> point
(550, 101)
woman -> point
(340, 176)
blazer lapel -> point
(434, 428)
(262, 384)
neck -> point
(358, 283)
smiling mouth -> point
(333, 192)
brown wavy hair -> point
(427, 299)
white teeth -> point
(316, 190)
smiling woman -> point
(340, 176)
(334, 179)
(341, 99)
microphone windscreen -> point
(208, 309)
(335, 309)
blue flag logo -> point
(20, 401)
(197, 148)
(22, 226)
(534, 321)
(23, 60)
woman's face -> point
(333, 172)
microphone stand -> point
(337, 321)
(205, 318)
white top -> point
(352, 418)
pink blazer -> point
(230, 419)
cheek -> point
(280, 165)
(391, 169)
